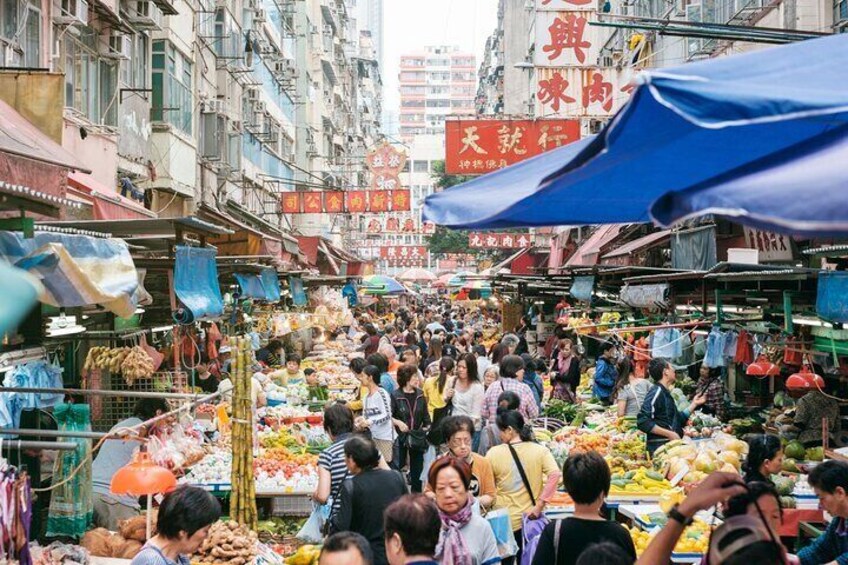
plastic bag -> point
(531, 529)
(502, 528)
(152, 352)
(312, 530)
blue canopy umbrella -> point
(700, 128)
(379, 285)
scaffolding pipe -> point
(118, 393)
(29, 444)
(51, 433)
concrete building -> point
(437, 83)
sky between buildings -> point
(410, 25)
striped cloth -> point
(332, 459)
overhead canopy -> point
(717, 125)
(590, 250)
(379, 285)
(641, 244)
(108, 204)
(20, 137)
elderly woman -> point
(185, 516)
(466, 538)
(458, 432)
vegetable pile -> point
(228, 543)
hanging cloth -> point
(715, 349)
(744, 353)
(792, 355)
(71, 511)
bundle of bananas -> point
(643, 481)
(105, 358)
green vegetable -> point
(795, 450)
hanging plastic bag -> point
(313, 529)
(502, 528)
(152, 352)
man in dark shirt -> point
(272, 354)
(659, 416)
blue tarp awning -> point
(705, 137)
(262, 286)
(196, 283)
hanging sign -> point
(573, 91)
(499, 240)
(771, 246)
(482, 146)
(338, 202)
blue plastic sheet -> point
(17, 295)
(297, 293)
(76, 270)
(832, 299)
(196, 282)
(262, 286)
(582, 287)
(271, 282)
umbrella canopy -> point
(379, 285)
(417, 275)
(701, 138)
(460, 278)
(477, 285)
(443, 280)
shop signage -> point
(565, 39)
(499, 240)
(399, 224)
(771, 246)
(385, 163)
(575, 91)
(404, 255)
(338, 202)
(482, 146)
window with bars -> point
(91, 83)
(171, 84)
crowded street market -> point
(610, 333)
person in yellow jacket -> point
(356, 366)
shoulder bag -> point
(531, 527)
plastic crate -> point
(291, 505)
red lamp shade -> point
(142, 477)
(762, 367)
(804, 380)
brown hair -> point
(460, 466)
(415, 519)
(405, 374)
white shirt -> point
(470, 403)
(483, 363)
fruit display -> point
(642, 481)
(795, 450)
(629, 446)
(702, 426)
(106, 358)
(305, 555)
(694, 540)
(698, 459)
(227, 543)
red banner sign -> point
(337, 202)
(404, 255)
(499, 240)
(481, 146)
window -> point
(134, 70)
(840, 15)
(228, 43)
(90, 82)
(32, 38)
(172, 98)
(420, 167)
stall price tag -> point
(679, 476)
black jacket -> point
(571, 377)
(417, 417)
(364, 498)
(659, 409)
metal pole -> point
(51, 433)
(118, 393)
(28, 444)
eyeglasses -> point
(460, 441)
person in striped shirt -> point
(511, 368)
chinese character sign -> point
(337, 202)
(404, 255)
(291, 203)
(484, 240)
(587, 92)
(483, 146)
(565, 39)
(385, 163)
(562, 5)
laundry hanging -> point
(35, 374)
(71, 511)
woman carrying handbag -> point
(412, 420)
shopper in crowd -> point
(109, 509)
(586, 477)
(499, 351)
(630, 390)
(811, 409)
(424, 345)
(412, 420)
(221, 366)
(346, 548)
(388, 336)
(371, 341)
(490, 436)
(205, 380)
(389, 352)
(659, 417)
(430, 365)
(367, 494)
(532, 379)
(490, 376)
(830, 483)
(518, 453)
(511, 370)
(436, 326)
(411, 339)
(412, 529)
(382, 363)
(468, 393)
(565, 371)
(606, 374)
(435, 385)
(458, 431)
(759, 500)
(185, 516)
(483, 361)
(315, 390)
(711, 385)
(466, 538)
(765, 458)
(293, 373)
(356, 367)
(521, 334)
(377, 413)
(511, 341)
(272, 355)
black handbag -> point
(435, 435)
(416, 440)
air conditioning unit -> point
(145, 15)
(235, 126)
(213, 106)
(259, 107)
(119, 47)
(284, 66)
(260, 15)
(252, 93)
(71, 12)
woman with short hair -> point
(412, 419)
(185, 516)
